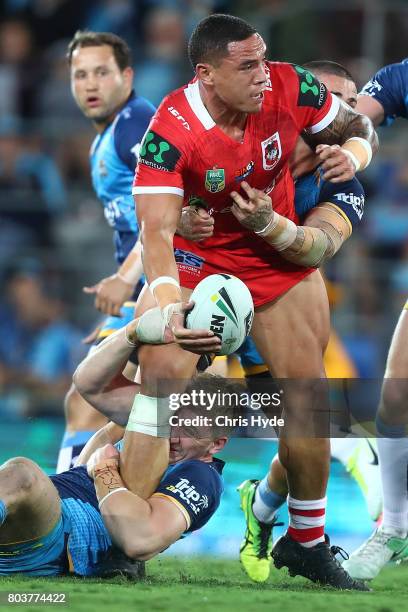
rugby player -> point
(260, 500)
(383, 99)
(244, 112)
(101, 82)
(75, 522)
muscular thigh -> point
(164, 363)
(292, 332)
(37, 505)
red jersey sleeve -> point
(162, 155)
(315, 106)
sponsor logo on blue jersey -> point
(357, 202)
(189, 494)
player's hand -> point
(255, 212)
(108, 455)
(110, 294)
(336, 163)
(195, 224)
(196, 341)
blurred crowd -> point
(53, 238)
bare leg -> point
(291, 334)
(392, 426)
(31, 500)
(145, 458)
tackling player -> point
(74, 521)
(234, 127)
(384, 98)
(101, 82)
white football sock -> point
(393, 455)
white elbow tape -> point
(150, 416)
(111, 493)
(286, 238)
(163, 280)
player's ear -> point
(128, 75)
(218, 445)
(205, 73)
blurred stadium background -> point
(54, 239)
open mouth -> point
(93, 101)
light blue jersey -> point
(113, 159)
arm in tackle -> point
(323, 232)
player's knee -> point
(24, 474)
(393, 397)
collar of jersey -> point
(192, 93)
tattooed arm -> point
(324, 231)
(343, 147)
(140, 528)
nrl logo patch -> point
(215, 180)
(271, 151)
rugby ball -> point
(223, 304)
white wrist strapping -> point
(150, 416)
(354, 159)
(287, 237)
(270, 226)
(163, 280)
(111, 493)
(169, 310)
(151, 326)
(368, 150)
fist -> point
(336, 162)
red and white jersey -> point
(184, 152)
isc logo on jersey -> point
(357, 202)
(189, 494)
(189, 262)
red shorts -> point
(267, 276)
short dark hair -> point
(86, 38)
(329, 67)
(211, 37)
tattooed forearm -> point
(108, 478)
(345, 125)
(259, 219)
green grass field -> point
(204, 584)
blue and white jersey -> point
(389, 86)
(113, 158)
(194, 486)
(312, 190)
